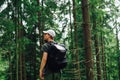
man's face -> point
(46, 36)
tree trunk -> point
(103, 59)
(16, 39)
(71, 28)
(22, 71)
(117, 52)
(119, 67)
(20, 56)
(40, 24)
(9, 53)
(96, 44)
(87, 40)
(10, 66)
(97, 57)
(76, 55)
(34, 61)
(19, 42)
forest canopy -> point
(90, 29)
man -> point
(45, 72)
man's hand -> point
(41, 75)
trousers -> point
(53, 76)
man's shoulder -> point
(45, 45)
(48, 43)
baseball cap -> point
(50, 32)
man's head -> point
(49, 34)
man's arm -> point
(43, 63)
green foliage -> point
(2, 2)
(3, 64)
(19, 34)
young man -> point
(45, 72)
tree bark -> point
(16, 38)
(103, 59)
(97, 58)
(96, 44)
(87, 40)
(20, 56)
(9, 53)
(10, 66)
(117, 52)
(40, 23)
(71, 28)
(76, 55)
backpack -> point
(57, 57)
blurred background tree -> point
(89, 29)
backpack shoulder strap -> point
(52, 42)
